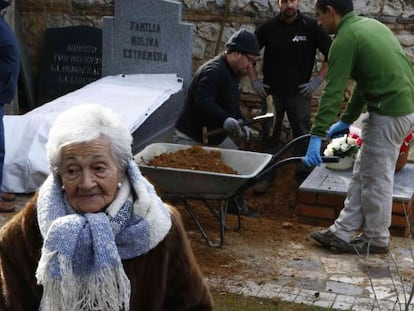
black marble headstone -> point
(72, 58)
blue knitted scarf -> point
(80, 266)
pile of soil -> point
(193, 158)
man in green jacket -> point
(366, 51)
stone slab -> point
(147, 36)
(336, 182)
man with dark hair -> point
(341, 7)
(9, 73)
(369, 53)
(213, 99)
(290, 41)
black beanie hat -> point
(4, 4)
(243, 41)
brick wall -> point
(321, 209)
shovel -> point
(207, 134)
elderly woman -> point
(97, 236)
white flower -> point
(351, 141)
(342, 146)
(328, 152)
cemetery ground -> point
(273, 257)
(271, 263)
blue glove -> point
(307, 89)
(337, 127)
(231, 125)
(313, 154)
(259, 87)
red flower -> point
(406, 143)
(355, 135)
(404, 147)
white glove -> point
(247, 131)
(231, 125)
(259, 87)
(307, 89)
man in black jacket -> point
(290, 41)
(213, 99)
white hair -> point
(86, 123)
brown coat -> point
(166, 278)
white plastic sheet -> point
(133, 97)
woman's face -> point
(90, 175)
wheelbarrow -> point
(186, 184)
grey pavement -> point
(337, 281)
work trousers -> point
(298, 111)
(368, 205)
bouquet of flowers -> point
(345, 146)
(349, 144)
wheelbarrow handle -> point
(325, 159)
(330, 159)
(273, 166)
(278, 155)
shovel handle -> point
(214, 132)
(241, 124)
(221, 131)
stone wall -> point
(214, 21)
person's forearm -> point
(252, 73)
(323, 71)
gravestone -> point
(148, 37)
(72, 58)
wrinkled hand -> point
(231, 125)
(336, 128)
(313, 154)
(307, 89)
(259, 87)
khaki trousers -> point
(368, 205)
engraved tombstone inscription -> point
(72, 58)
(147, 36)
